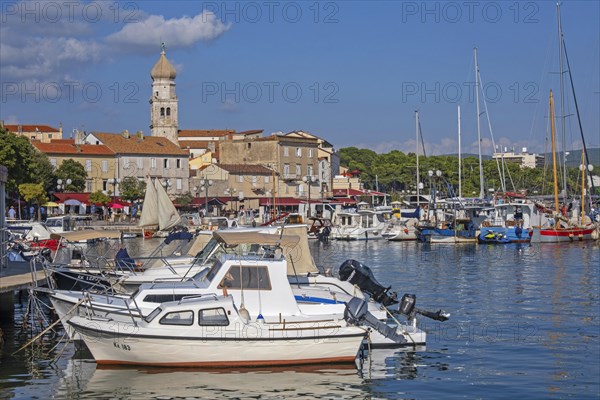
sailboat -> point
(403, 225)
(561, 230)
(158, 210)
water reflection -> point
(81, 377)
(86, 379)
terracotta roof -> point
(71, 141)
(149, 145)
(281, 138)
(279, 201)
(246, 169)
(30, 128)
(205, 132)
(72, 148)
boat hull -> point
(254, 344)
(501, 235)
(554, 235)
(447, 236)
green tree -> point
(99, 197)
(24, 163)
(34, 192)
(132, 189)
(73, 170)
(184, 199)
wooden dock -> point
(12, 279)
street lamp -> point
(205, 185)
(196, 195)
(114, 182)
(230, 192)
(309, 179)
(62, 185)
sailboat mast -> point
(459, 159)
(553, 138)
(481, 190)
(583, 167)
(562, 103)
(417, 143)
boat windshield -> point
(212, 251)
(153, 314)
(207, 275)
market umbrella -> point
(50, 204)
(115, 205)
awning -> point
(280, 201)
(240, 237)
(88, 234)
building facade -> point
(98, 160)
(141, 156)
(294, 160)
(42, 133)
(524, 159)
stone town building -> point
(329, 160)
(294, 159)
(203, 145)
(241, 184)
(42, 133)
(98, 160)
(141, 156)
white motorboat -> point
(363, 224)
(213, 331)
(77, 266)
(257, 320)
(314, 293)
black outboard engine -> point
(407, 308)
(357, 313)
(362, 276)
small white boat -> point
(211, 331)
(364, 224)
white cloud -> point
(229, 106)
(146, 35)
(57, 42)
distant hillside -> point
(465, 155)
(574, 158)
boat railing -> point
(206, 296)
(91, 313)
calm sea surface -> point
(525, 323)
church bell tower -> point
(163, 102)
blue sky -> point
(352, 72)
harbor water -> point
(525, 323)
